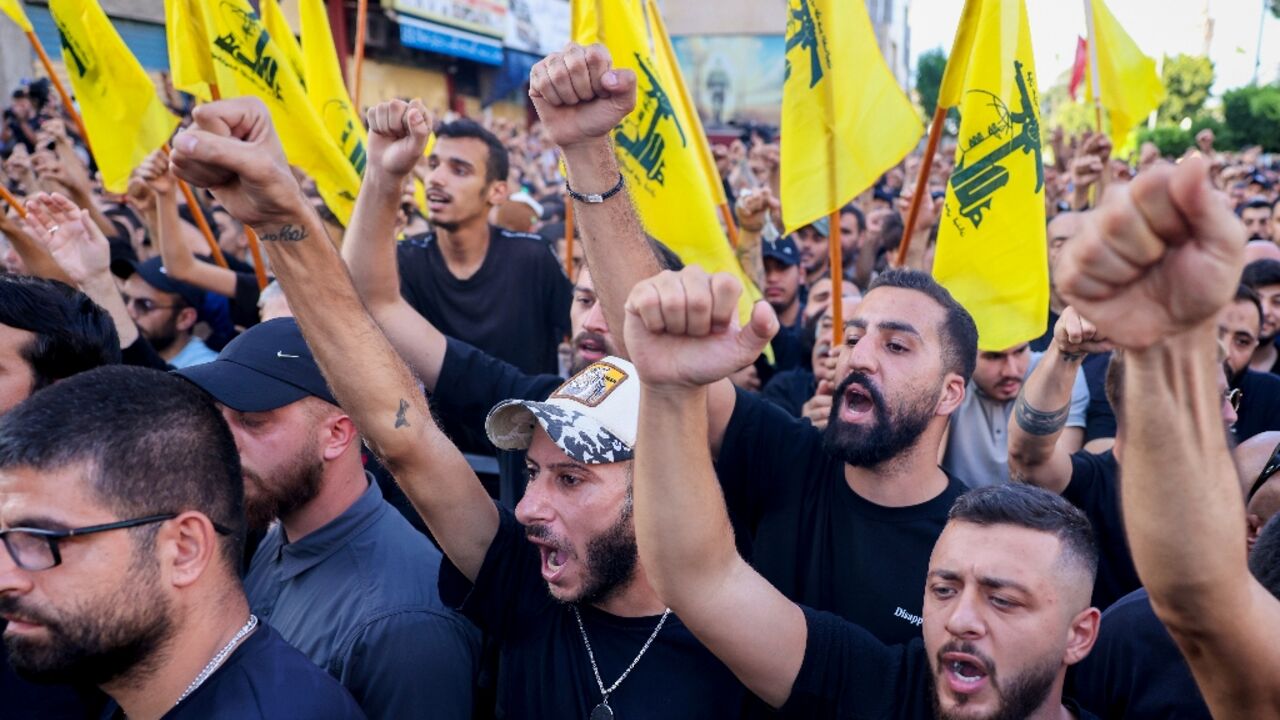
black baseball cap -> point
(268, 366)
(153, 273)
(783, 250)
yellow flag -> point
(845, 120)
(656, 148)
(123, 114)
(245, 61)
(325, 89)
(991, 239)
(277, 26)
(1130, 86)
(190, 62)
(13, 8)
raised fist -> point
(1159, 256)
(154, 171)
(398, 134)
(753, 207)
(1075, 335)
(232, 149)
(682, 328)
(579, 95)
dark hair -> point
(1113, 382)
(1244, 293)
(853, 210)
(891, 231)
(1264, 560)
(667, 258)
(1253, 203)
(959, 333)
(497, 166)
(72, 334)
(1261, 273)
(153, 442)
(1030, 507)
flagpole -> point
(1092, 47)
(362, 21)
(730, 226)
(836, 251)
(57, 84)
(255, 248)
(922, 182)
(13, 201)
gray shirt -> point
(978, 443)
(359, 598)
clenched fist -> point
(579, 95)
(398, 134)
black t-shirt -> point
(1135, 671)
(264, 678)
(789, 351)
(813, 537)
(24, 700)
(1100, 417)
(790, 390)
(515, 307)
(848, 673)
(1042, 343)
(1095, 489)
(1260, 406)
(545, 671)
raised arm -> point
(398, 133)
(1152, 268)
(1037, 455)
(581, 98)
(233, 150)
(683, 332)
(37, 260)
(179, 262)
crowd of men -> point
(447, 464)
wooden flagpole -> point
(922, 182)
(836, 251)
(362, 22)
(13, 201)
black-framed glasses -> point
(1233, 396)
(142, 305)
(37, 548)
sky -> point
(1159, 27)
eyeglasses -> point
(1233, 396)
(142, 306)
(37, 548)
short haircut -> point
(891, 231)
(853, 210)
(959, 333)
(72, 334)
(1113, 383)
(1264, 560)
(1030, 507)
(497, 165)
(153, 444)
(1254, 203)
(1261, 273)
(1244, 293)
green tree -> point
(929, 69)
(1252, 116)
(1187, 79)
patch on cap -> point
(593, 385)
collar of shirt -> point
(295, 558)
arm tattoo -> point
(286, 233)
(1039, 422)
(401, 421)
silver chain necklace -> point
(217, 659)
(603, 711)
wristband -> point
(592, 198)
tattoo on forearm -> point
(401, 421)
(1039, 422)
(286, 233)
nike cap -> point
(268, 366)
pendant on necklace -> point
(602, 712)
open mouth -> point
(858, 403)
(554, 560)
(965, 674)
(591, 348)
(437, 199)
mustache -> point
(9, 606)
(585, 335)
(968, 648)
(543, 533)
(861, 379)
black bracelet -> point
(592, 198)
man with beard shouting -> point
(342, 575)
(601, 640)
(1006, 601)
(841, 520)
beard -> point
(1020, 696)
(611, 558)
(291, 486)
(98, 639)
(888, 436)
(164, 338)
(579, 363)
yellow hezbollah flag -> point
(282, 35)
(325, 89)
(187, 34)
(845, 120)
(13, 8)
(991, 239)
(245, 61)
(656, 148)
(122, 112)
(1130, 86)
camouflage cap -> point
(592, 417)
